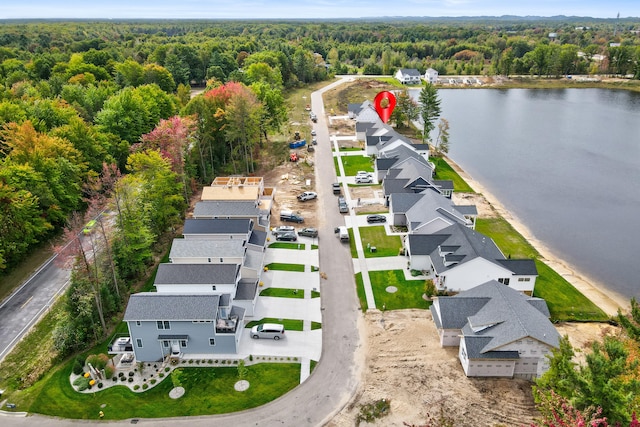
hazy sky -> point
(227, 9)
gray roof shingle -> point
(198, 248)
(197, 274)
(147, 306)
(226, 208)
(217, 225)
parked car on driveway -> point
(364, 179)
(307, 195)
(284, 229)
(376, 218)
(313, 132)
(287, 237)
(268, 330)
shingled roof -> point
(147, 306)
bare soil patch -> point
(291, 179)
(403, 362)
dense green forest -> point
(99, 115)
(86, 91)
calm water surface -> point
(566, 162)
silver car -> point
(268, 330)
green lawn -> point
(208, 391)
(444, 172)
(285, 267)
(283, 293)
(506, 237)
(377, 236)
(565, 302)
(353, 164)
(360, 291)
(336, 165)
(409, 294)
(286, 245)
(289, 324)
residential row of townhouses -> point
(210, 284)
(492, 317)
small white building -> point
(431, 76)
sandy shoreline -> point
(609, 301)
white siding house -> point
(431, 76)
(499, 331)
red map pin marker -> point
(385, 102)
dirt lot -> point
(404, 363)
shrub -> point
(210, 361)
(92, 382)
(114, 379)
(78, 367)
(123, 378)
(130, 379)
(100, 385)
(81, 383)
(161, 375)
(175, 377)
(145, 386)
(251, 358)
(121, 374)
(136, 387)
(108, 371)
(242, 370)
(152, 382)
(190, 361)
(131, 373)
(167, 369)
(98, 361)
(197, 362)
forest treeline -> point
(86, 91)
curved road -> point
(335, 378)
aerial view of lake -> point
(566, 163)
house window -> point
(165, 344)
(524, 279)
(209, 259)
(221, 260)
(138, 323)
(163, 324)
(213, 288)
(183, 343)
(504, 281)
(139, 342)
(212, 341)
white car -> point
(307, 195)
(364, 179)
(283, 229)
(363, 173)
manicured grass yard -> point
(284, 245)
(283, 293)
(565, 302)
(444, 171)
(360, 291)
(285, 267)
(377, 236)
(336, 165)
(208, 391)
(409, 294)
(289, 324)
(353, 164)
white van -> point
(268, 330)
(343, 233)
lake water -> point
(566, 163)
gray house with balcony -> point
(167, 325)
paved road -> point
(335, 378)
(23, 308)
